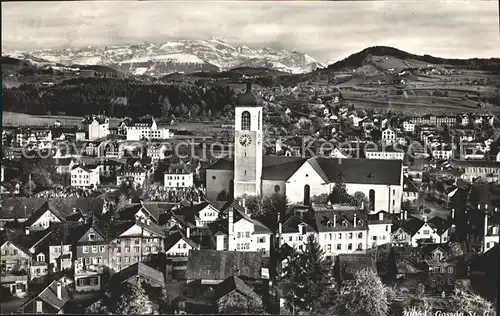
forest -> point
(121, 98)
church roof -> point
(362, 171)
(249, 99)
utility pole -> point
(29, 183)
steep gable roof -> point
(409, 186)
(174, 238)
(141, 270)
(42, 210)
(49, 296)
(282, 171)
(233, 283)
(413, 225)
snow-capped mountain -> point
(186, 56)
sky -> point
(327, 31)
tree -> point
(361, 200)
(339, 193)
(306, 278)
(367, 296)
(130, 299)
(165, 106)
(462, 301)
(235, 304)
(98, 308)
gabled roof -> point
(439, 224)
(430, 248)
(222, 164)
(49, 296)
(233, 283)
(413, 225)
(138, 269)
(326, 221)
(40, 211)
(291, 225)
(282, 171)
(409, 186)
(23, 207)
(366, 171)
(174, 238)
(116, 228)
(219, 265)
(21, 240)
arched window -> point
(371, 197)
(277, 188)
(307, 193)
(258, 121)
(245, 121)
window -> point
(101, 249)
(261, 239)
(360, 246)
(136, 249)
(339, 247)
(276, 188)
(426, 232)
(245, 121)
(127, 249)
(247, 235)
(307, 193)
(371, 198)
(360, 235)
(39, 306)
(94, 249)
(349, 247)
(339, 236)
(349, 236)
(40, 257)
(329, 247)
(85, 249)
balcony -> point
(90, 269)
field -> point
(11, 119)
(19, 119)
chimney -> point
(485, 223)
(405, 215)
(355, 220)
(59, 290)
(334, 220)
(230, 227)
(362, 205)
(188, 232)
(425, 218)
(249, 87)
(479, 206)
(485, 206)
(452, 213)
(380, 216)
(27, 231)
(329, 203)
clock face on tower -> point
(245, 140)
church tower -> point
(248, 144)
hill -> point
(363, 57)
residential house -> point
(131, 242)
(136, 176)
(138, 274)
(390, 153)
(214, 266)
(420, 232)
(178, 244)
(85, 176)
(91, 254)
(410, 190)
(409, 127)
(379, 231)
(51, 300)
(294, 231)
(244, 233)
(234, 289)
(15, 267)
(178, 176)
(474, 169)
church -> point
(250, 172)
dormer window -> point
(302, 229)
(91, 237)
(40, 257)
(344, 223)
(329, 224)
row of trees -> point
(121, 98)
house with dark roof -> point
(294, 231)
(133, 241)
(51, 300)
(415, 231)
(43, 216)
(15, 266)
(213, 266)
(436, 252)
(91, 252)
(242, 233)
(137, 274)
(85, 176)
(178, 244)
(178, 176)
(60, 245)
(410, 190)
(234, 289)
(191, 215)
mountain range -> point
(182, 56)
